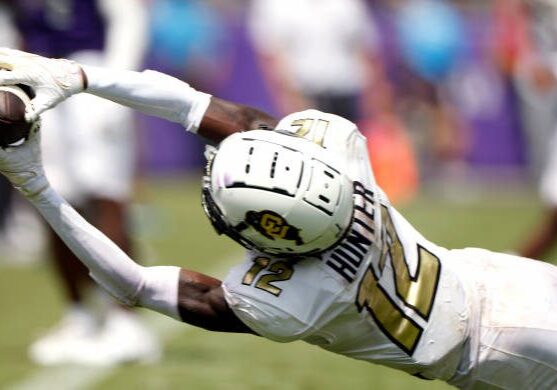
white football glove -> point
(53, 80)
(22, 165)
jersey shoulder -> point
(282, 299)
(336, 134)
(320, 127)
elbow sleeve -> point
(150, 92)
(154, 288)
(159, 290)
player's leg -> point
(96, 173)
(517, 358)
(513, 331)
(5, 197)
(5, 203)
(111, 217)
(121, 325)
(108, 216)
(92, 320)
(76, 324)
(105, 173)
(71, 273)
(544, 235)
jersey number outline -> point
(415, 292)
(278, 271)
(319, 128)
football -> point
(14, 129)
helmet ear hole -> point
(324, 188)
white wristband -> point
(150, 92)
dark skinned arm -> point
(201, 303)
(223, 118)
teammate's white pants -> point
(89, 145)
(548, 180)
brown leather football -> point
(13, 127)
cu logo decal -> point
(273, 226)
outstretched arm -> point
(161, 95)
(223, 118)
(151, 92)
(201, 303)
(181, 294)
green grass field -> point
(179, 234)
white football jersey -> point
(381, 295)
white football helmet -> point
(277, 193)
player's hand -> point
(22, 165)
(53, 80)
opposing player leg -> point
(543, 237)
(96, 174)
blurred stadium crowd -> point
(444, 90)
(467, 81)
(447, 83)
(446, 74)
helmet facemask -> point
(213, 211)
